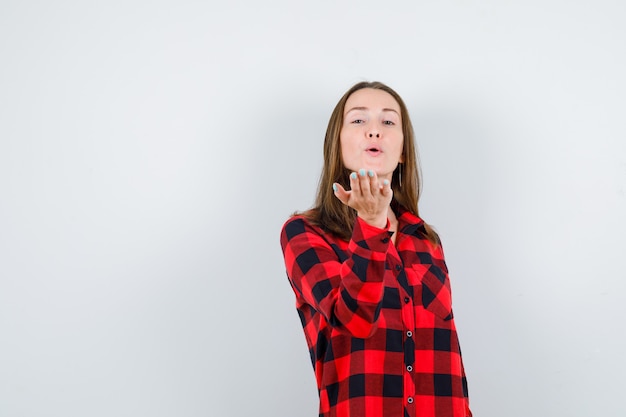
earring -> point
(400, 174)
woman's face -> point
(371, 135)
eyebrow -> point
(367, 108)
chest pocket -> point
(436, 295)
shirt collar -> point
(409, 223)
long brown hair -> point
(331, 214)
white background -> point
(151, 150)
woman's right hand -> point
(368, 196)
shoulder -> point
(300, 222)
(295, 225)
(300, 230)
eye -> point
(357, 121)
(388, 122)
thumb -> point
(341, 193)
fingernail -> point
(386, 182)
(362, 172)
(335, 187)
(353, 175)
(370, 173)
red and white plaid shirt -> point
(378, 320)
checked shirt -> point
(378, 320)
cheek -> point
(346, 145)
(342, 147)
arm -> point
(347, 294)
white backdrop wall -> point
(150, 152)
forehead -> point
(372, 99)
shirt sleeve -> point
(347, 293)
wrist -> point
(376, 221)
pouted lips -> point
(374, 150)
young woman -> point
(369, 276)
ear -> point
(401, 160)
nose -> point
(374, 134)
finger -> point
(374, 182)
(364, 182)
(355, 183)
(385, 188)
(341, 193)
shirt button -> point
(398, 267)
(409, 368)
(409, 333)
(409, 400)
(406, 299)
(385, 240)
